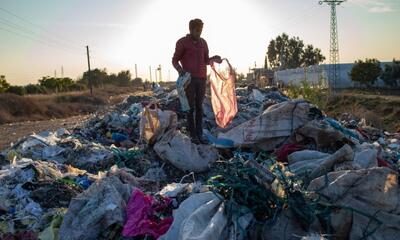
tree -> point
(391, 73)
(266, 62)
(65, 84)
(137, 82)
(278, 51)
(112, 79)
(18, 90)
(3, 84)
(124, 78)
(284, 53)
(56, 84)
(98, 77)
(49, 83)
(295, 53)
(366, 72)
(312, 56)
(240, 77)
(35, 89)
(77, 87)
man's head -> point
(195, 28)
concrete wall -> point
(320, 74)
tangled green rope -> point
(123, 156)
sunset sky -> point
(39, 37)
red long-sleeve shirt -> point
(193, 56)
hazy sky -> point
(121, 33)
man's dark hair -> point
(194, 23)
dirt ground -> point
(14, 108)
(11, 132)
(66, 111)
(379, 110)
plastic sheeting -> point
(313, 167)
(171, 145)
(185, 155)
(271, 127)
(199, 217)
(367, 203)
(99, 208)
(223, 96)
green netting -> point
(236, 182)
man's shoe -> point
(202, 140)
(195, 140)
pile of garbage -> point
(281, 169)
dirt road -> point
(11, 132)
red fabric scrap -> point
(286, 149)
(383, 163)
(143, 216)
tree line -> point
(47, 85)
(285, 52)
(367, 72)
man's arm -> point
(179, 49)
(206, 52)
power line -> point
(37, 40)
(27, 32)
(293, 19)
(94, 56)
(62, 38)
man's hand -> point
(180, 70)
(216, 59)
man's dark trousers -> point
(195, 93)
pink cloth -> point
(143, 216)
(223, 95)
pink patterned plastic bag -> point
(223, 96)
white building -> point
(319, 74)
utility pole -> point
(151, 80)
(159, 70)
(55, 73)
(155, 72)
(334, 67)
(135, 70)
(89, 73)
(62, 71)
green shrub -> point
(18, 90)
(366, 72)
(312, 93)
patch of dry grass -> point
(380, 112)
(14, 108)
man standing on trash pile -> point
(192, 53)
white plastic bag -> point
(199, 217)
(185, 155)
(181, 84)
